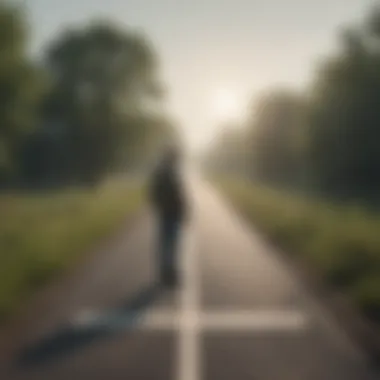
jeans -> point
(169, 236)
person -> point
(168, 198)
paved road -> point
(240, 314)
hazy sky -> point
(208, 46)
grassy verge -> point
(42, 234)
(341, 242)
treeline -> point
(91, 105)
(325, 139)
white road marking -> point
(263, 320)
(189, 354)
(260, 320)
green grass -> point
(341, 242)
(41, 235)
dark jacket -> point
(167, 193)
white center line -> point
(189, 360)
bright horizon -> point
(216, 57)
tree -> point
(345, 117)
(276, 133)
(269, 146)
(20, 90)
(105, 83)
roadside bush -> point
(42, 234)
(341, 242)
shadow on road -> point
(76, 336)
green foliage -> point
(270, 145)
(276, 135)
(40, 235)
(345, 115)
(105, 81)
(366, 293)
(92, 106)
(342, 243)
(20, 89)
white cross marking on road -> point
(190, 321)
(260, 320)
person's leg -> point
(163, 249)
(172, 250)
(168, 254)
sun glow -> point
(226, 105)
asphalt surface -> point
(240, 313)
